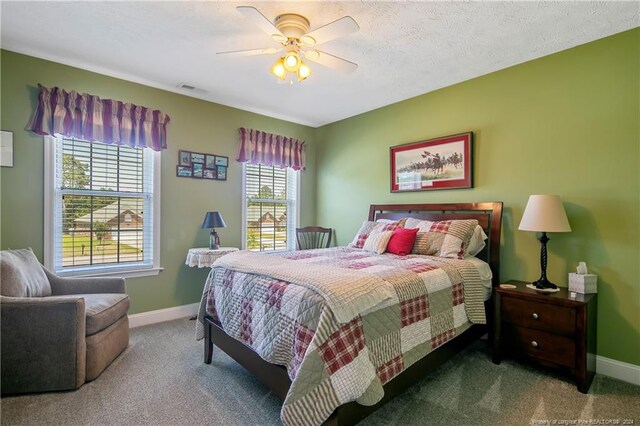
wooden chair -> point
(312, 237)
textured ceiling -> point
(403, 49)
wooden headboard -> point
(489, 216)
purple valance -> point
(257, 147)
(90, 118)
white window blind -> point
(271, 207)
(102, 208)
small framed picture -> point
(209, 174)
(184, 158)
(184, 171)
(210, 162)
(222, 161)
(197, 169)
(197, 158)
(222, 173)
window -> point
(270, 207)
(102, 208)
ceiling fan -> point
(292, 32)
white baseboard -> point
(618, 370)
(162, 315)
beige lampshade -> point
(544, 213)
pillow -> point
(427, 243)
(422, 225)
(402, 241)
(377, 241)
(22, 275)
(476, 244)
(400, 222)
(446, 238)
(368, 227)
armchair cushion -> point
(21, 275)
(102, 310)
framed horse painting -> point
(441, 163)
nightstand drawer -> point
(541, 316)
(543, 346)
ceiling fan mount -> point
(292, 25)
(291, 30)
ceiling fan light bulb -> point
(303, 72)
(278, 69)
(291, 62)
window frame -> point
(126, 271)
(291, 230)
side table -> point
(204, 257)
(551, 329)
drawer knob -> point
(534, 344)
(535, 316)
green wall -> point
(565, 124)
(195, 125)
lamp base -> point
(544, 283)
(214, 240)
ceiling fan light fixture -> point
(278, 69)
(291, 31)
(291, 61)
(303, 72)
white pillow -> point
(476, 244)
(422, 225)
(377, 241)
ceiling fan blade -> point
(331, 61)
(331, 31)
(251, 52)
(261, 21)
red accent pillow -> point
(402, 240)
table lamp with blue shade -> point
(213, 220)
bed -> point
(331, 353)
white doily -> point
(204, 257)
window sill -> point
(131, 273)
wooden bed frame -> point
(489, 216)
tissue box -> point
(583, 283)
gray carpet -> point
(161, 380)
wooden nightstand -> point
(551, 329)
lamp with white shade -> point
(544, 213)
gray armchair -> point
(56, 333)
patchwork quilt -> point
(334, 354)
